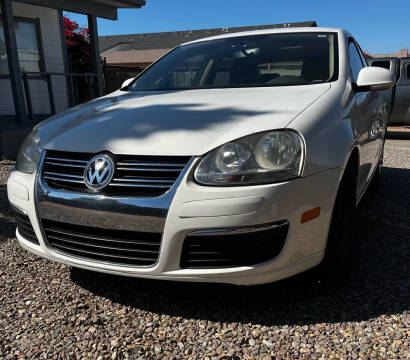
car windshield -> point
(245, 61)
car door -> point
(369, 121)
(401, 108)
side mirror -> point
(375, 78)
(126, 83)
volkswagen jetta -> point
(238, 158)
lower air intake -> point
(24, 227)
(233, 247)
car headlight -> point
(256, 159)
(29, 153)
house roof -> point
(169, 40)
(402, 53)
(134, 57)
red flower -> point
(72, 29)
(77, 41)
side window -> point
(408, 71)
(362, 56)
(355, 61)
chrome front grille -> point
(134, 175)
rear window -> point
(382, 63)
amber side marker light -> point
(310, 215)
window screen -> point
(27, 47)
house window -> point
(27, 46)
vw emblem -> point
(99, 172)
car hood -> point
(190, 122)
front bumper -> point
(187, 208)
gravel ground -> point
(52, 311)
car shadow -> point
(378, 283)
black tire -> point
(336, 262)
(376, 180)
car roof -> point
(270, 31)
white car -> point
(238, 158)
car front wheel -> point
(336, 262)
